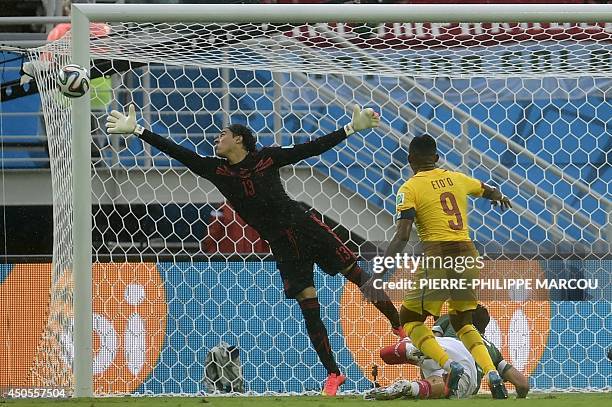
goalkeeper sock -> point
(311, 310)
(423, 338)
(473, 342)
(385, 306)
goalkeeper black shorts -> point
(303, 245)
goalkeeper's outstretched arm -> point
(118, 123)
(361, 120)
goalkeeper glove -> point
(362, 119)
(29, 68)
(118, 123)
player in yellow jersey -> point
(436, 200)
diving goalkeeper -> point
(249, 179)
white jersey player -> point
(433, 385)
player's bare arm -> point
(496, 197)
(400, 238)
(397, 245)
(520, 382)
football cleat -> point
(496, 384)
(401, 388)
(452, 379)
(332, 384)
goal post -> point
(82, 226)
(293, 69)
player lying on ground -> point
(437, 200)
(250, 180)
(433, 384)
(403, 353)
(480, 319)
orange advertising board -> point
(129, 324)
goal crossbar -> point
(303, 13)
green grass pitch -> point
(544, 400)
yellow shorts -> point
(436, 286)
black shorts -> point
(301, 247)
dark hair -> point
(248, 140)
(423, 145)
(481, 318)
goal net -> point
(522, 106)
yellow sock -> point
(473, 342)
(423, 338)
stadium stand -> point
(25, 147)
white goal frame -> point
(84, 14)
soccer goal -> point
(151, 272)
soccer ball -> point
(73, 81)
